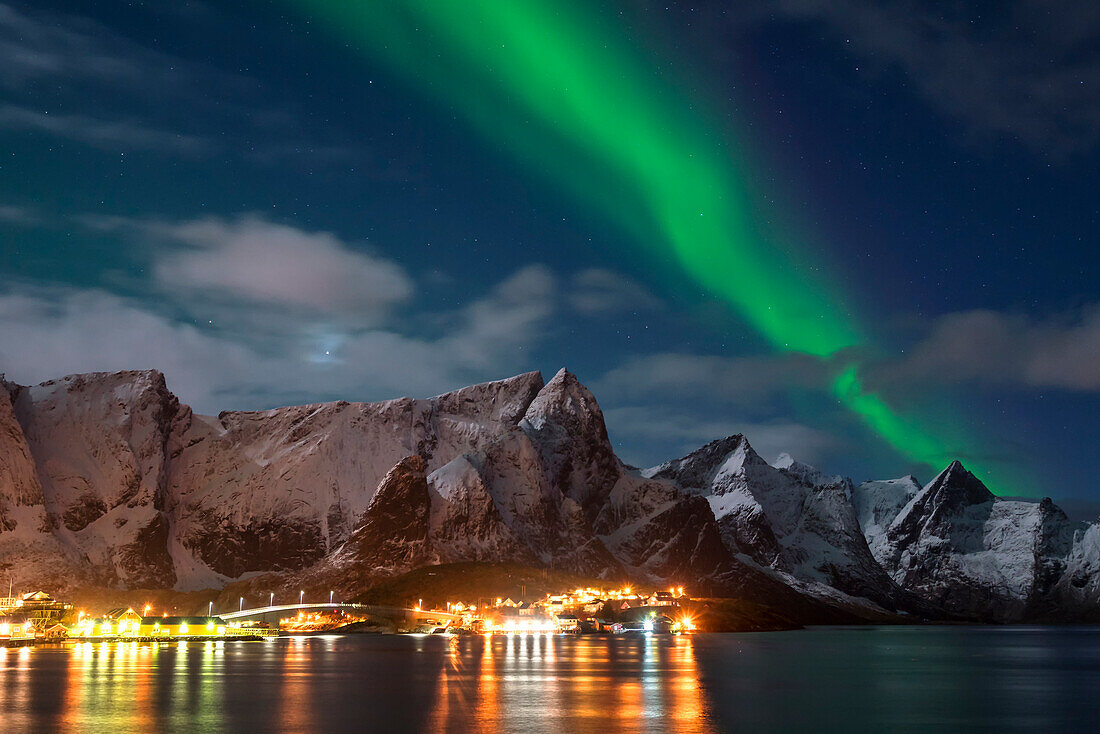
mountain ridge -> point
(106, 479)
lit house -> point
(182, 627)
(121, 622)
(15, 627)
(127, 622)
(94, 627)
(42, 610)
(567, 622)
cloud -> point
(1023, 69)
(598, 291)
(109, 135)
(47, 332)
(511, 316)
(19, 215)
(727, 380)
(71, 49)
(661, 433)
(252, 259)
(174, 105)
(665, 405)
(993, 348)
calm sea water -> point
(829, 679)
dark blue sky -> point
(240, 198)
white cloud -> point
(111, 135)
(993, 348)
(19, 215)
(252, 259)
(49, 332)
(510, 316)
(599, 291)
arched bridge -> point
(366, 609)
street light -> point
(301, 597)
(330, 597)
(241, 607)
(210, 609)
(271, 601)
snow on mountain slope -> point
(551, 492)
(805, 473)
(105, 479)
(797, 522)
(99, 445)
(961, 548)
(19, 485)
(1076, 595)
(27, 542)
(278, 489)
(877, 503)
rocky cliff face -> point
(547, 491)
(279, 489)
(19, 485)
(99, 447)
(105, 479)
(877, 503)
(792, 520)
(977, 556)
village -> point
(36, 617)
(580, 611)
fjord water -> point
(826, 679)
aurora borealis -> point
(794, 220)
(557, 86)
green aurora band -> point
(551, 83)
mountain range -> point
(107, 480)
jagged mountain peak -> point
(952, 491)
(392, 534)
(806, 473)
(108, 480)
(566, 425)
(731, 455)
(508, 399)
(957, 485)
(566, 402)
(140, 379)
(406, 475)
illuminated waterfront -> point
(896, 679)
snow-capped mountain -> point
(792, 520)
(548, 491)
(108, 480)
(877, 503)
(975, 555)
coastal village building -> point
(14, 627)
(39, 608)
(120, 622)
(126, 621)
(182, 627)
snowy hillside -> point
(107, 480)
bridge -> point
(365, 609)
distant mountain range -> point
(107, 480)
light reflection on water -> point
(888, 679)
(556, 683)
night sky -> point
(861, 233)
